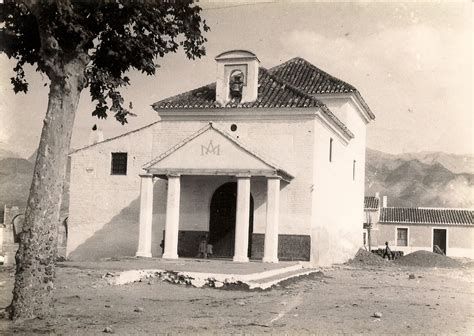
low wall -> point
(290, 247)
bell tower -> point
(237, 77)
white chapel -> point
(266, 164)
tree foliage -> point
(113, 37)
(79, 44)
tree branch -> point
(50, 48)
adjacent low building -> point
(413, 229)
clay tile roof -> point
(312, 80)
(371, 203)
(427, 216)
(272, 93)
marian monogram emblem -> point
(210, 149)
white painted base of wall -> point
(460, 252)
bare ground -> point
(341, 300)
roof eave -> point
(384, 221)
(113, 138)
(355, 98)
(345, 135)
(364, 105)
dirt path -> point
(342, 300)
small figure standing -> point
(162, 245)
(387, 252)
(202, 250)
(209, 250)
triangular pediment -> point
(212, 150)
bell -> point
(235, 87)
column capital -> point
(146, 175)
(243, 176)
(173, 175)
(273, 177)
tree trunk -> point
(36, 256)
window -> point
(402, 237)
(330, 150)
(353, 170)
(119, 164)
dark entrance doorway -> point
(222, 221)
(439, 239)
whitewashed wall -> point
(104, 208)
(459, 240)
(322, 200)
(338, 203)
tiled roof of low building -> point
(272, 93)
(427, 216)
(312, 80)
(371, 203)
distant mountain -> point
(421, 179)
(417, 179)
(454, 162)
(16, 175)
(15, 181)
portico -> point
(211, 152)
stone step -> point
(271, 273)
(273, 280)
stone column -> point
(270, 252)
(146, 216)
(242, 219)
(172, 217)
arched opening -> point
(236, 84)
(63, 232)
(222, 221)
(17, 227)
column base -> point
(169, 256)
(270, 260)
(240, 259)
(143, 255)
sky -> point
(412, 63)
